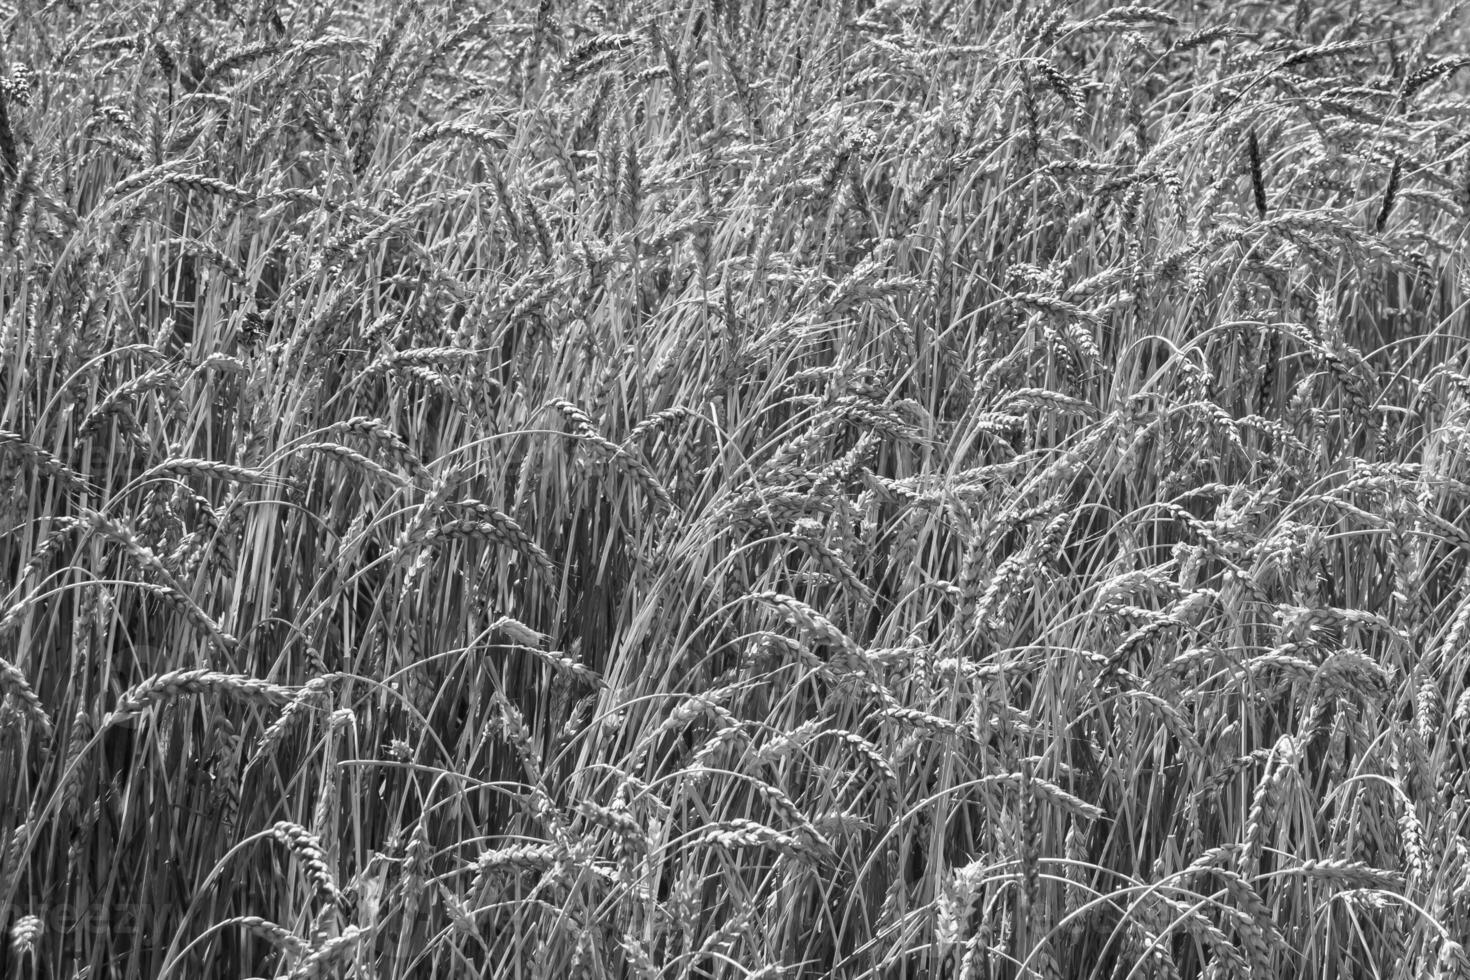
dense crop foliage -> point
(724, 488)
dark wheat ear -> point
(7, 143)
(1390, 194)
(1258, 183)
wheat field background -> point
(734, 489)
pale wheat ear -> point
(23, 935)
(14, 684)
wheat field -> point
(734, 489)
